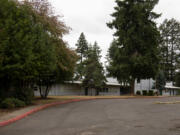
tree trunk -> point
(81, 64)
(132, 86)
(44, 92)
(86, 91)
(47, 91)
(172, 60)
(97, 92)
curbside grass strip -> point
(170, 102)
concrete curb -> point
(7, 122)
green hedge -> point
(138, 93)
(151, 93)
(10, 103)
(19, 103)
(144, 92)
(147, 93)
(25, 95)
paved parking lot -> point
(102, 117)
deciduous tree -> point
(32, 47)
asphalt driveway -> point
(102, 117)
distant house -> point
(170, 90)
(113, 87)
(144, 85)
(149, 84)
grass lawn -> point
(52, 99)
(172, 102)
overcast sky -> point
(91, 16)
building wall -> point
(75, 89)
(144, 85)
(169, 93)
(112, 90)
(64, 89)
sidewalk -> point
(11, 115)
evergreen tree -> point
(93, 71)
(137, 40)
(16, 47)
(170, 45)
(160, 81)
(113, 67)
(177, 79)
(82, 48)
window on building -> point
(104, 90)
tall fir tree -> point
(82, 48)
(177, 79)
(160, 81)
(170, 47)
(94, 77)
(137, 40)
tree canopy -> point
(82, 49)
(93, 72)
(136, 41)
(31, 45)
(169, 47)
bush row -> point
(10, 103)
(146, 93)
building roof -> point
(110, 82)
(169, 85)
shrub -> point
(156, 93)
(8, 103)
(25, 95)
(138, 92)
(1, 100)
(144, 93)
(151, 93)
(18, 103)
